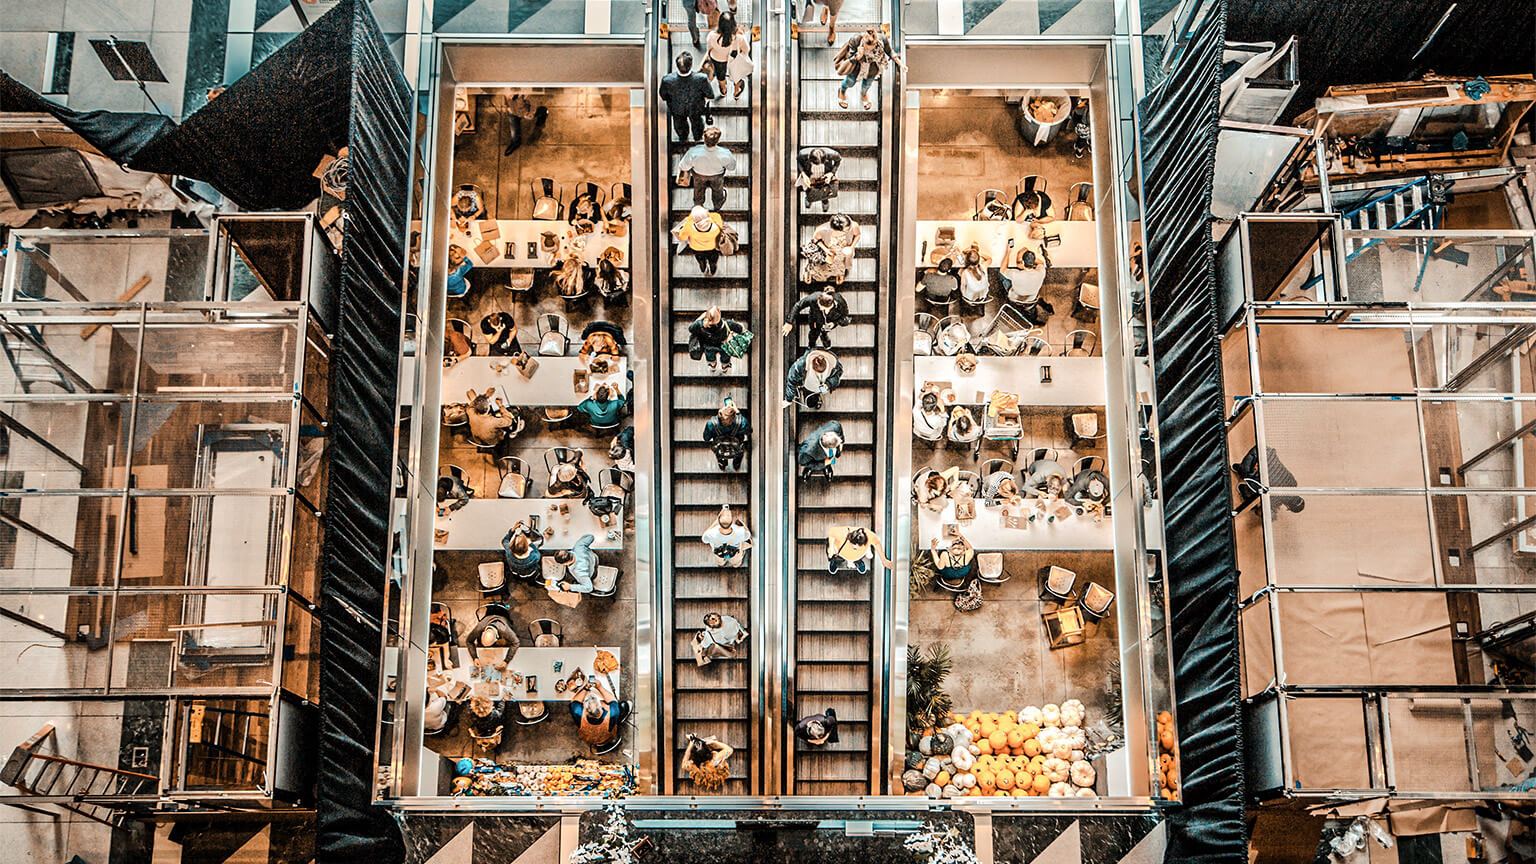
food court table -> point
(552, 383)
(1074, 380)
(987, 534)
(538, 662)
(481, 523)
(1079, 246)
(520, 232)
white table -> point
(521, 232)
(1079, 245)
(987, 534)
(481, 523)
(539, 662)
(1074, 380)
(552, 384)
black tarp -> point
(364, 372)
(1371, 41)
(1179, 161)
(258, 143)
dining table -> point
(1066, 244)
(510, 677)
(553, 383)
(520, 244)
(1074, 381)
(481, 524)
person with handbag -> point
(818, 175)
(687, 95)
(854, 549)
(819, 451)
(728, 539)
(728, 433)
(862, 61)
(707, 336)
(729, 54)
(703, 168)
(829, 253)
(721, 635)
(701, 233)
(824, 311)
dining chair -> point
(554, 333)
(1083, 428)
(515, 466)
(546, 633)
(1065, 627)
(460, 326)
(1087, 463)
(531, 713)
(950, 341)
(1085, 307)
(1081, 343)
(1036, 346)
(985, 199)
(556, 456)
(1039, 454)
(992, 466)
(1080, 202)
(1096, 601)
(547, 195)
(989, 568)
(492, 577)
(925, 333)
(605, 580)
(970, 479)
(585, 190)
(1057, 584)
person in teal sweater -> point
(603, 408)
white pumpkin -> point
(1076, 735)
(925, 745)
(1073, 713)
(932, 767)
(1050, 715)
(966, 781)
(974, 749)
(1031, 715)
(950, 791)
(1087, 793)
(1063, 749)
(1047, 739)
(1056, 770)
(963, 760)
(1078, 756)
(959, 734)
(1060, 790)
(1083, 773)
(933, 791)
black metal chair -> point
(546, 633)
(547, 195)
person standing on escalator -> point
(687, 94)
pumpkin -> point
(932, 767)
(986, 779)
(966, 781)
(1031, 747)
(950, 791)
(1041, 784)
(1004, 778)
(933, 791)
(1050, 715)
(1165, 739)
(1020, 793)
(941, 779)
(1062, 750)
(988, 729)
(1060, 790)
(1073, 713)
(1082, 773)
(914, 760)
(914, 737)
(942, 744)
(1031, 715)
(973, 749)
(1164, 717)
(1087, 793)
(1016, 737)
(999, 739)
(984, 747)
(1057, 769)
(1030, 730)
(1163, 761)
(963, 759)
(913, 781)
(1011, 715)
(925, 746)
(1075, 735)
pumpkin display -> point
(1060, 790)
(1050, 715)
(1082, 773)
(1034, 750)
(913, 781)
(1004, 778)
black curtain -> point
(1179, 145)
(365, 348)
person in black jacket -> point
(815, 374)
(728, 433)
(824, 311)
(493, 630)
(687, 95)
(820, 449)
(706, 339)
(818, 729)
(1249, 486)
(818, 175)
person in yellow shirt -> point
(701, 231)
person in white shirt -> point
(708, 162)
(728, 539)
(1024, 273)
(930, 419)
(730, 55)
(719, 638)
(975, 286)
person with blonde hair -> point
(728, 538)
(701, 232)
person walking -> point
(687, 95)
(729, 52)
(818, 729)
(854, 549)
(812, 377)
(701, 231)
(818, 175)
(829, 254)
(707, 164)
(820, 449)
(824, 311)
(862, 61)
(729, 434)
(829, 10)
(707, 336)
(728, 539)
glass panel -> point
(54, 642)
(184, 353)
(1429, 744)
(552, 17)
(1291, 259)
(113, 734)
(68, 351)
(62, 445)
(1344, 762)
(108, 267)
(1234, 364)
(1350, 639)
(57, 541)
(207, 640)
(1349, 443)
(1258, 647)
(1428, 267)
(1500, 728)
(1327, 358)
(1344, 540)
(222, 744)
(1012, 18)
(1483, 540)
(1475, 355)
(206, 444)
(225, 541)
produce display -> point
(1035, 751)
(585, 777)
(1167, 756)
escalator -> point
(715, 699)
(835, 658)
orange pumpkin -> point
(1042, 784)
(984, 746)
(1030, 730)
(986, 780)
(1016, 737)
(1165, 739)
(1004, 779)
(942, 779)
(1011, 714)
(999, 741)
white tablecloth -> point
(539, 662)
(521, 232)
(1079, 245)
(480, 524)
(986, 532)
(1074, 380)
(552, 384)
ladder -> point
(1401, 208)
(79, 787)
(30, 361)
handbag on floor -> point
(969, 600)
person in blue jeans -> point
(580, 563)
(861, 61)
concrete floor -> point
(586, 139)
(1001, 657)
